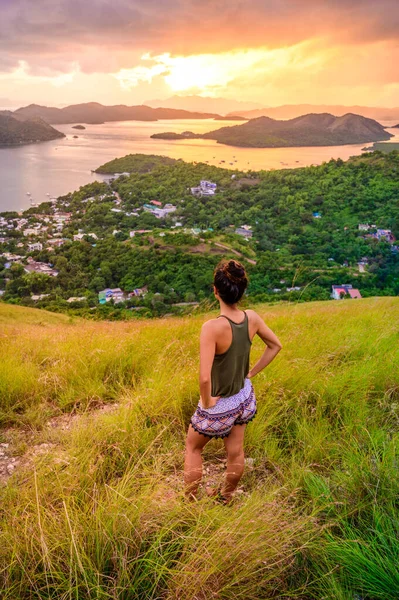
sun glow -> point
(209, 73)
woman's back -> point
(231, 361)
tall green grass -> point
(103, 516)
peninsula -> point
(16, 131)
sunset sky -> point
(272, 52)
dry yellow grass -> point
(102, 514)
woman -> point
(227, 400)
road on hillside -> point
(250, 260)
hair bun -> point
(230, 281)
(234, 271)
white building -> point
(205, 188)
(36, 246)
(78, 237)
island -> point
(95, 113)
(307, 130)
(171, 135)
(78, 127)
(230, 118)
(16, 131)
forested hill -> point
(17, 131)
(303, 225)
(307, 130)
(135, 163)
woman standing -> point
(227, 400)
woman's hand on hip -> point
(213, 401)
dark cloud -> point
(105, 35)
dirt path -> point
(250, 260)
(11, 459)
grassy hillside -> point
(102, 515)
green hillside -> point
(101, 514)
(135, 163)
(307, 229)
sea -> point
(36, 172)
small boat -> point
(28, 194)
(47, 193)
(223, 161)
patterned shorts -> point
(219, 420)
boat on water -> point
(28, 194)
(47, 193)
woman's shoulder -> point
(215, 324)
(254, 319)
(252, 314)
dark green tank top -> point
(230, 369)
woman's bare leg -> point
(195, 443)
(234, 445)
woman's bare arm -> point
(207, 354)
(273, 346)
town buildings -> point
(244, 231)
(160, 213)
(205, 188)
(39, 267)
(341, 291)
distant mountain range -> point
(15, 131)
(290, 111)
(95, 113)
(201, 104)
(307, 130)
